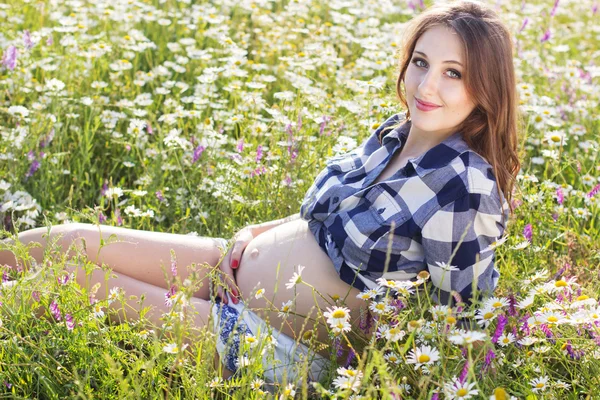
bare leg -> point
(136, 253)
(153, 296)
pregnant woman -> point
(428, 190)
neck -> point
(418, 142)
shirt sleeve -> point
(456, 243)
(316, 193)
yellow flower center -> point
(500, 394)
(339, 314)
(451, 320)
(539, 385)
(380, 306)
(560, 283)
(423, 358)
(583, 297)
(488, 315)
(461, 392)
(351, 372)
(552, 318)
(497, 304)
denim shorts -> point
(283, 359)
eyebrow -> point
(447, 61)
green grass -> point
(196, 72)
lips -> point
(426, 103)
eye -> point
(418, 60)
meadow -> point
(203, 117)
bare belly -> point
(289, 245)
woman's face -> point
(431, 79)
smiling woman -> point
(426, 194)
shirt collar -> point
(438, 156)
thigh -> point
(146, 256)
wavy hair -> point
(492, 128)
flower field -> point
(180, 117)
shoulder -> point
(468, 182)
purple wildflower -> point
(4, 276)
(240, 145)
(299, 123)
(528, 232)
(104, 188)
(169, 296)
(512, 302)
(197, 153)
(436, 396)
(465, 371)
(69, 322)
(350, 358)
(35, 165)
(594, 8)
(35, 295)
(502, 321)
(55, 310)
(488, 360)
(525, 22)
(63, 279)
(259, 153)
(337, 345)
(323, 124)
(101, 218)
(47, 139)
(27, 40)
(554, 8)
(9, 58)
(8, 385)
(366, 320)
(544, 328)
(159, 195)
(49, 41)
(595, 190)
(546, 36)
(149, 128)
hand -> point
(231, 261)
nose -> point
(428, 85)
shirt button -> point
(381, 210)
(336, 199)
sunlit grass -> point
(169, 116)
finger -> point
(236, 253)
(235, 256)
(231, 287)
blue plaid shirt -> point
(416, 217)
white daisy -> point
(447, 267)
(506, 339)
(424, 355)
(495, 303)
(296, 278)
(496, 243)
(484, 316)
(285, 309)
(539, 384)
(457, 390)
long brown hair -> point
(492, 129)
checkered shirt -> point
(417, 217)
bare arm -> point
(265, 226)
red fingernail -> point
(234, 264)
